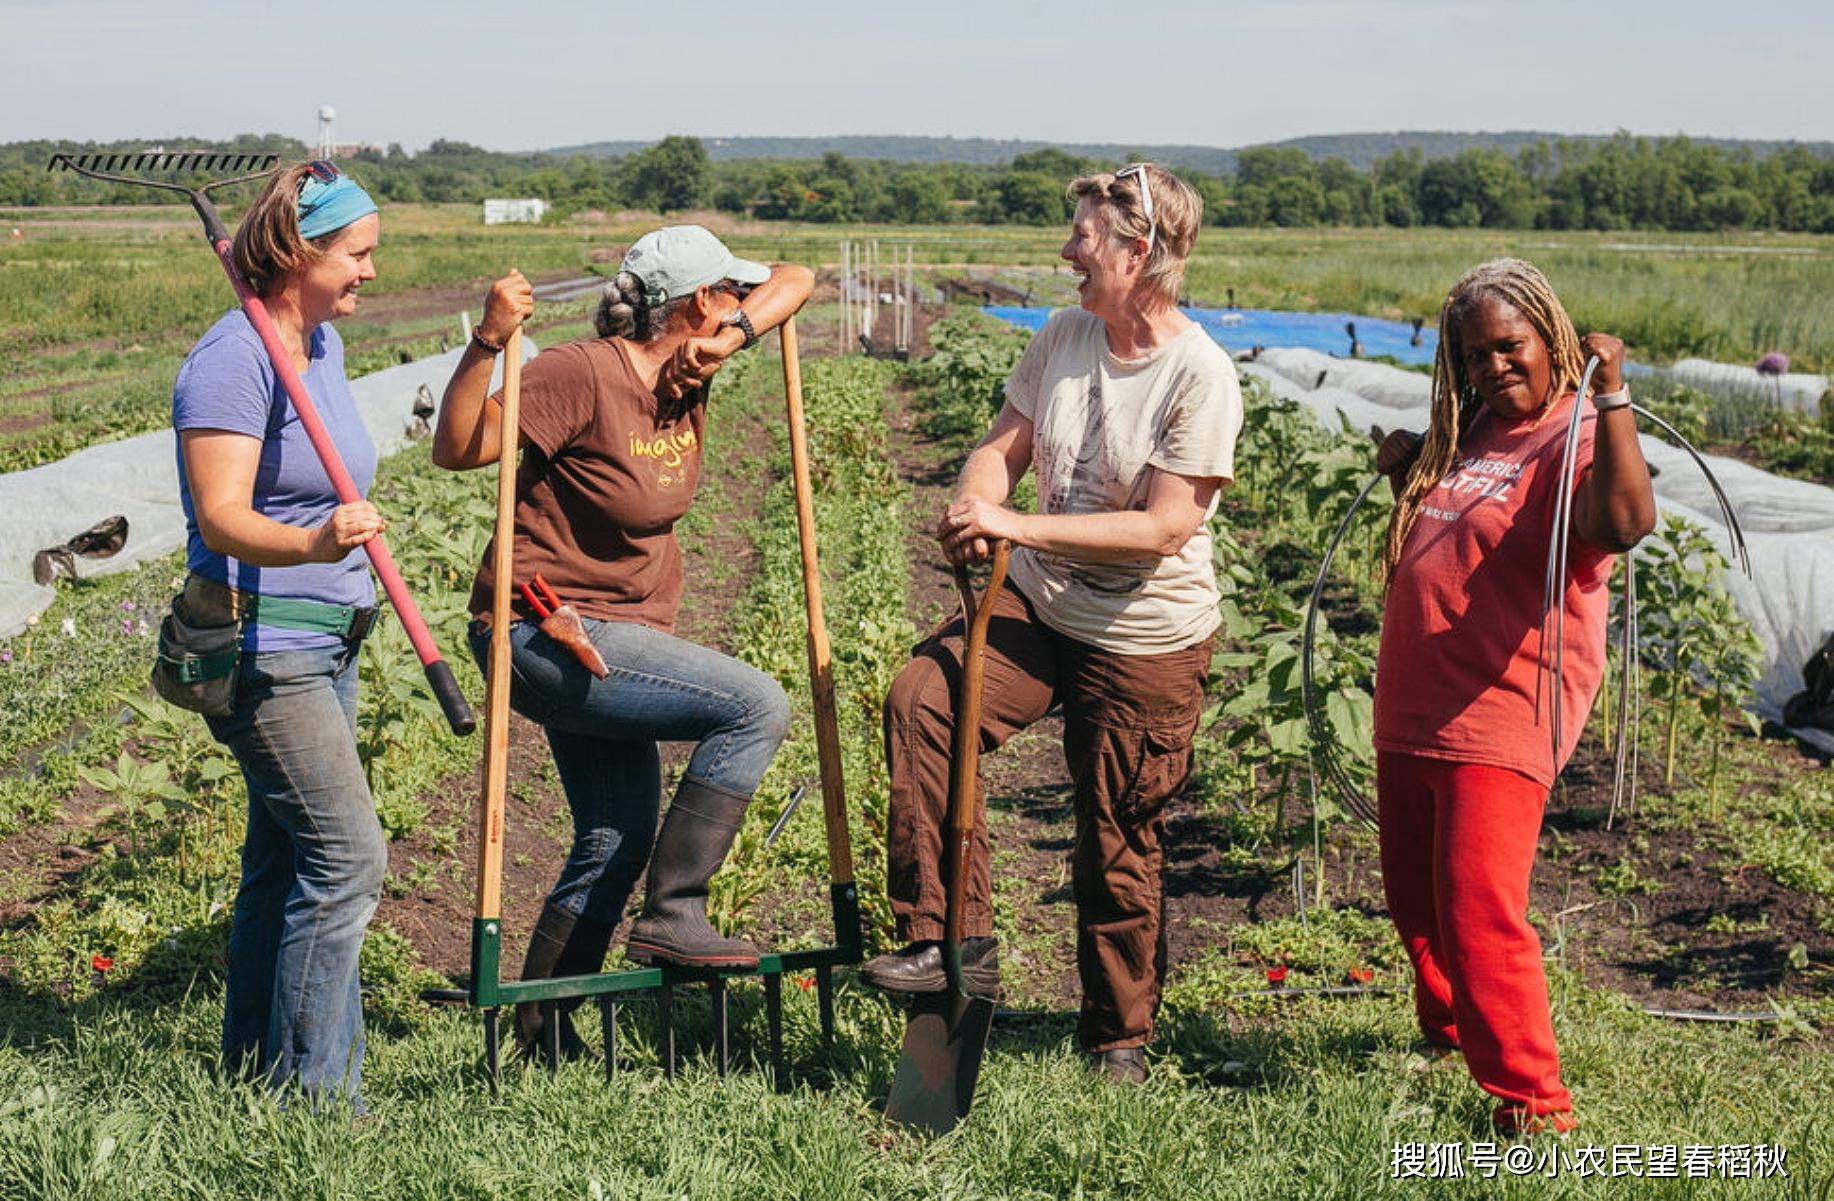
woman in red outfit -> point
(1464, 755)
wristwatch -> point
(737, 317)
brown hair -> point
(1521, 286)
(1178, 211)
(268, 245)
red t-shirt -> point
(602, 483)
(1461, 628)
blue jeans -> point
(604, 734)
(312, 869)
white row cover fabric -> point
(138, 477)
(1795, 390)
(1789, 524)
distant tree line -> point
(1625, 182)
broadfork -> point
(487, 991)
(250, 167)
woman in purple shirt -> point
(270, 546)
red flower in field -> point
(1362, 975)
(804, 983)
(101, 963)
(1276, 976)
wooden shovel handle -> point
(496, 687)
(965, 760)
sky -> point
(541, 73)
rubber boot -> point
(673, 928)
(584, 955)
(548, 947)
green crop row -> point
(860, 523)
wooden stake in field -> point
(846, 282)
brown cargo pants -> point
(1129, 721)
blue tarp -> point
(1241, 330)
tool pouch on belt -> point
(200, 649)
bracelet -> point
(1619, 399)
(479, 341)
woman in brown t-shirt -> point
(611, 434)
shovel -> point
(946, 1034)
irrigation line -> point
(1740, 553)
(1554, 581)
(1703, 1015)
(1628, 683)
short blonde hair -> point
(1178, 213)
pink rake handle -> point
(439, 674)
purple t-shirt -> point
(228, 384)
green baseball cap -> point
(673, 261)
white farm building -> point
(507, 212)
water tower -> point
(326, 141)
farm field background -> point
(98, 305)
(119, 819)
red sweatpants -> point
(1458, 843)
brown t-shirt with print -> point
(602, 483)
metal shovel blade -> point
(944, 1040)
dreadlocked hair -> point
(1520, 285)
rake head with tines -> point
(243, 168)
(98, 166)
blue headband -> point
(325, 208)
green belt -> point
(315, 617)
(348, 622)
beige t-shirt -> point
(1098, 424)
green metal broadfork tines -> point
(490, 993)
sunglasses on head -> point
(321, 170)
(1146, 199)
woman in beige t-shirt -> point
(1128, 412)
